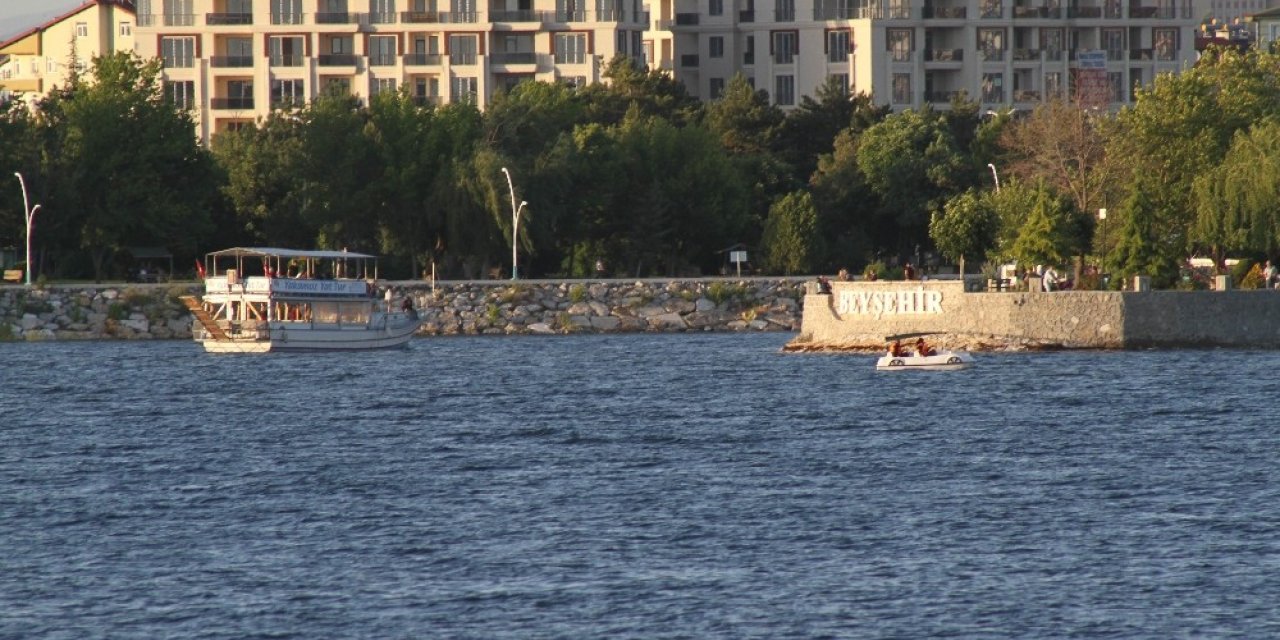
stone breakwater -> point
(140, 312)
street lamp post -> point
(30, 213)
(1102, 216)
(995, 175)
(515, 224)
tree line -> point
(637, 175)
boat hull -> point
(295, 337)
(941, 361)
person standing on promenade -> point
(908, 272)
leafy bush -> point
(577, 293)
(1252, 278)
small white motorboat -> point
(900, 359)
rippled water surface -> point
(672, 486)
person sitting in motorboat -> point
(923, 349)
(895, 349)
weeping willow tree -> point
(1238, 202)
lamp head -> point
(523, 203)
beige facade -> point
(38, 60)
(912, 53)
(235, 60)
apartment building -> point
(235, 60)
(38, 60)
(913, 53)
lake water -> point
(635, 486)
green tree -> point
(129, 169)
(263, 183)
(966, 227)
(1238, 201)
(792, 241)
(1046, 236)
(809, 131)
(1142, 248)
(849, 212)
(912, 162)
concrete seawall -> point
(858, 315)
(498, 307)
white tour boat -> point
(295, 301)
(907, 359)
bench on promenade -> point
(13, 275)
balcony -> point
(844, 13)
(945, 13)
(746, 16)
(336, 18)
(1141, 54)
(287, 60)
(571, 16)
(515, 16)
(231, 62)
(232, 103)
(942, 96)
(991, 55)
(219, 19)
(463, 58)
(439, 17)
(178, 62)
(689, 60)
(427, 101)
(686, 19)
(286, 18)
(289, 102)
(521, 57)
(944, 55)
(337, 60)
(896, 55)
(1026, 55)
(1026, 95)
(382, 60)
(422, 59)
(1084, 11)
(382, 17)
(179, 19)
(900, 11)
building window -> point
(785, 10)
(463, 50)
(993, 87)
(337, 86)
(82, 30)
(715, 7)
(382, 11)
(181, 93)
(178, 52)
(786, 90)
(991, 43)
(841, 79)
(715, 46)
(178, 13)
(286, 51)
(1115, 86)
(381, 85)
(1165, 43)
(717, 88)
(463, 89)
(785, 47)
(902, 88)
(571, 48)
(900, 45)
(126, 29)
(382, 51)
(838, 46)
(143, 8)
(287, 94)
(286, 11)
(1113, 42)
(749, 51)
(1053, 84)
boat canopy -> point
(272, 252)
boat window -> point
(357, 313)
(325, 312)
